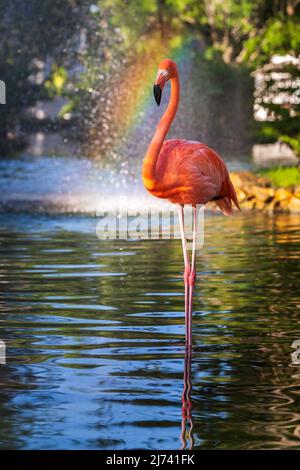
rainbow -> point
(133, 93)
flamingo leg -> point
(192, 278)
(187, 270)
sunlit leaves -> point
(279, 36)
(55, 84)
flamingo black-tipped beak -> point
(157, 94)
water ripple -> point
(95, 351)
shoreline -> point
(256, 192)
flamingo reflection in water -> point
(187, 423)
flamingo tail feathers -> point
(225, 203)
(232, 194)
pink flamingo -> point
(184, 172)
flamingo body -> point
(189, 172)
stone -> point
(294, 204)
(260, 204)
(263, 194)
(282, 193)
(241, 195)
(297, 190)
(271, 206)
(284, 204)
(256, 192)
(277, 153)
(264, 181)
(249, 204)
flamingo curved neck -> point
(150, 160)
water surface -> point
(95, 336)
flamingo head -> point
(167, 69)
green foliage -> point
(282, 177)
(31, 33)
(56, 81)
(293, 142)
(246, 32)
(280, 35)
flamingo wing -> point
(189, 172)
(198, 185)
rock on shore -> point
(255, 192)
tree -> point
(89, 43)
(279, 93)
(30, 32)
